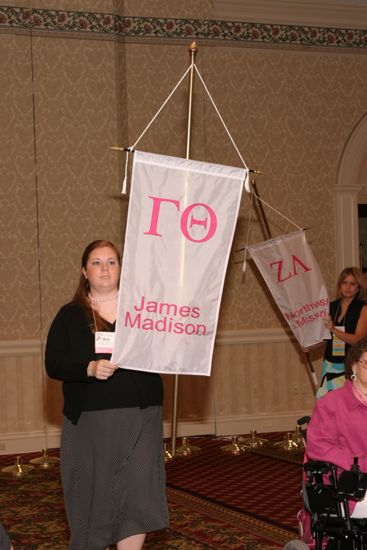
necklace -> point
(100, 300)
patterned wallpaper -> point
(76, 101)
(19, 274)
(60, 181)
(72, 88)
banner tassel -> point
(124, 183)
(247, 181)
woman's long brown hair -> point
(83, 288)
(359, 276)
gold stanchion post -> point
(193, 51)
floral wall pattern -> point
(120, 26)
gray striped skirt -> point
(113, 476)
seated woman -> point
(337, 431)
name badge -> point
(338, 345)
(103, 342)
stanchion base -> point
(45, 461)
(18, 469)
(234, 448)
(289, 444)
(186, 449)
(254, 441)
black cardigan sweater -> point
(70, 348)
(349, 321)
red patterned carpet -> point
(262, 487)
(216, 501)
(219, 527)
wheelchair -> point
(326, 497)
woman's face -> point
(360, 369)
(102, 270)
(349, 287)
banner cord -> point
(220, 116)
(253, 194)
(160, 108)
(131, 149)
(277, 212)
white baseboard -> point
(187, 428)
(238, 425)
(262, 423)
(225, 426)
(29, 442)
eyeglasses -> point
(363, 362)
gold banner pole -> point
(192, 51)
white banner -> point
(290, 270)
(181, 220)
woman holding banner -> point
(347, 323)
(112, 463)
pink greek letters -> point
(281, 276)
(188, 219)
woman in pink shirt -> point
(338, 429)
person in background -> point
(347, 323)
(112, 460)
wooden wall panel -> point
(256, 383)
(21, 392)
